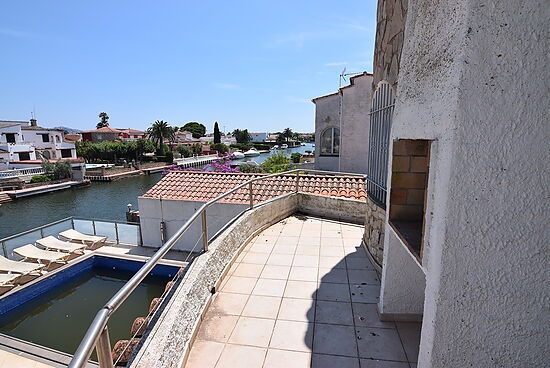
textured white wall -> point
(327, 114)
(474, 78)
(356, 101)
(175, 213)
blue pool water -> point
(57, 311)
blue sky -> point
(245, 64)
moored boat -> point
(251, 153)
(238, 154)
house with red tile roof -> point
(112, 134)
(179, 194)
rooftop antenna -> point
(343, 76)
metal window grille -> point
(379, 139)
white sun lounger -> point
(78, 237)
(52, 243)
(30, 252)
(25, 268)
(8, 279)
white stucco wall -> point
(175, 213)
(327, 115)
(474, 79)
(354, 132)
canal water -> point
(101, 200)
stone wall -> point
(373, 237)
(390, 28)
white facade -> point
(174, 213)
(343, 117)
(258, 137)
(12, 145)
(473, 81)
(183, 136)
(49, 142)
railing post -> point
(72, 222)
(116, 232)
(204, 231)
(250, 195)
(41, 232)
(93, 225)
(297, 181)
(4, 249)
(103, 349)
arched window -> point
(330, 142)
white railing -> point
(14, 173)
(194, 158)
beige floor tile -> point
(332, 252)
(355, 252)
(241, 285)
(333, 292)
(204, 354)
(308, 251)
(269, 287)
(332, 361)
(333, 275)
(241, 356)
(262, 307)
(262, 248)
(309, 240)
(287, 240)
(291, 335)
(332, 262)
(256, 258)
(334, 340)
(275, 272)
(302, 310)
(373, 363)
(248, 270)
(358, 264)
(217, 327)
(284, 249)
(287, 359)
(303, 273)
(331, 234)
(338, 313)
(364, 293)
(363, 277)
(228, 303)
(252, 331)
(331, 242)
(265, 239)
(366, 315)
(380, 343)
(305, 261)
(301, 289)
(240, 256)
(280, 259)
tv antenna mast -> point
(343, 76)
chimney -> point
(33, 122)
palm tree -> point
(287, 133)
(158, 132)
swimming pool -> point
(57, 311)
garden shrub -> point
(40, 179)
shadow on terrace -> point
(302, 293)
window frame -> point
(332, 152)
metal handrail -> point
(98, 336)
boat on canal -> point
(251, 153)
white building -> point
(342, 127)
(21, 141)
(258, 137)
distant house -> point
(183, 136)
(225, 139)
(180, 193)
(73, 137)
(258, 137)
(342, 127)
(112, 134)
(22, 141)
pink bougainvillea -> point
(223, 164)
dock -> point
(19, 193)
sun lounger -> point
(52, 243)
(78, 237)
(8, 279)
(25, 268)
(30, 252)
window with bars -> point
(379, 138)
(330, 142)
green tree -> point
(196, 148)
(197, 129)
(217, 135)
(104, 122)
(220, 147)
(60, 170)
(288, 134)
(277, 162)
(158, 132)
(242, 136)
(184, 151)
